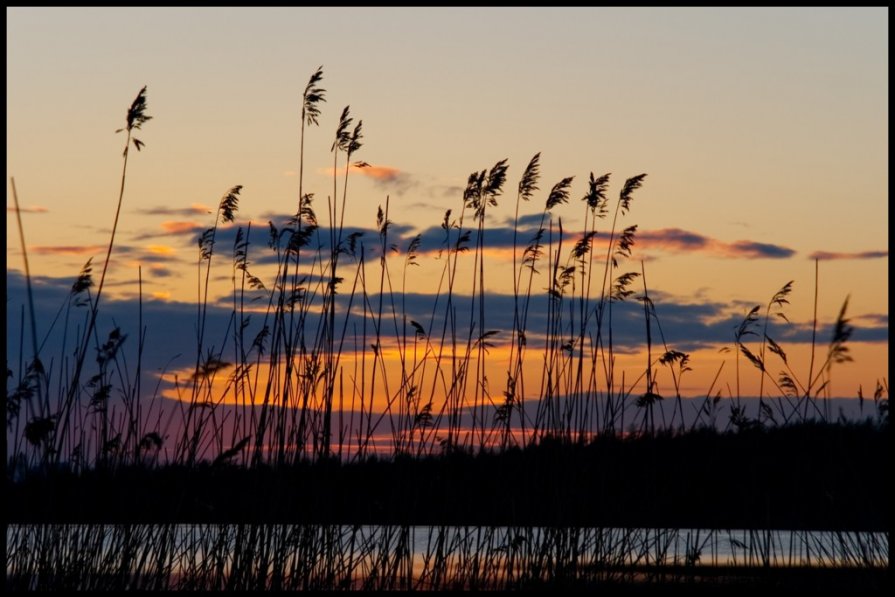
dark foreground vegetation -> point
(329, 557)
(325, 402)
(808, 476)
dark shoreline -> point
(649, 580)
(807, 476)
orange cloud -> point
(385, 177)
(381, 173)
(160, 250)
(67, 250)
(179, 227)
(29, 210)
(161, 295)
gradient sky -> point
(763, 132)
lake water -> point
(279, 556)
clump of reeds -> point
(312, 380)
(242, 557)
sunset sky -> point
(763, 133)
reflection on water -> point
(93, 557)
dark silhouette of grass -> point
(805, 476)
(581, 446)
(328, 557)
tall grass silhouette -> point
(344, 369)
(332, 557)
(341, 368)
